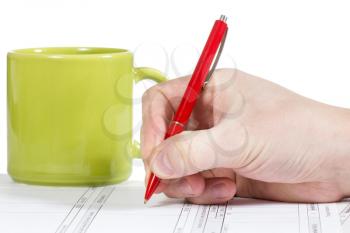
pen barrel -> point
(183, 113)
(174, 128)
(200, 72)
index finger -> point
(158, 106)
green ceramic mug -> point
(70, 115)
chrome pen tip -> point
(223, 18)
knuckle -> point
(149, 94)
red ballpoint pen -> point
(199, 78)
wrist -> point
(341, 157)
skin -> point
(247, 137)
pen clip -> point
(217, 57)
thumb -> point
(191, 152)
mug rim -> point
(61, 52)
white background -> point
(303, 45)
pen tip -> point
(145, 202)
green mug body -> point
(70, 115)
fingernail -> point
(162, 165)
(219, 191)
(185, 188)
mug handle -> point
(143, 73)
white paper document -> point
(344, 214)
(120, 208)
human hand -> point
(246, 137)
